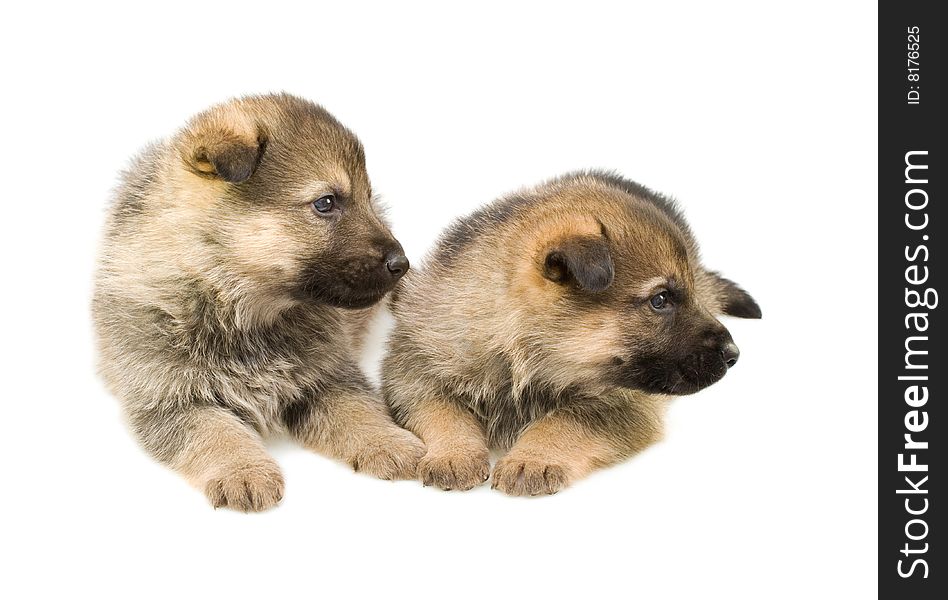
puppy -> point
(239, 261)
(554, 324)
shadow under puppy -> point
(554, 324)
(239, 261)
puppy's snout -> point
(396, 263)
(731, 353)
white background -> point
(762, 121)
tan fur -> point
(550, 454)
(361, 434)
(457, 456)
(228, 309)
(557, 449)
(528, 329)
(228, 460)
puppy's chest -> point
(506, 414)
(264, 367)
(279, 367)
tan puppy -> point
(240, 257)
(554, 323)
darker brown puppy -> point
(554, 324)
(239, 260)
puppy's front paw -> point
(250, 488)
(527, 476)
(394, 455)
(454, 469)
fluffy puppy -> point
(554, 324)
(239, 261)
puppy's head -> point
(279, 192)
(619, 295)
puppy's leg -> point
(350, 423)
(570, 442)
(216, 452)
(457, 457)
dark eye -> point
(659, 301)
(324, 204)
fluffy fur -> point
(533, 328)
(228, 308)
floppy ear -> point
(216, 149)
(583, 260)
(734, 300)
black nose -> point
(730, 354)
(396, 263)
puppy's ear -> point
(734, 300)
(584, 260)
(213, 147)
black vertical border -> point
(903, 128)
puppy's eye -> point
(659, 301)
(324, 204)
